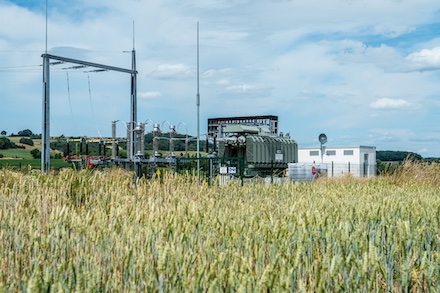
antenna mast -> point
(198, 109)
(133, 35)
(46, 29)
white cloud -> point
(214, 73)
(167, 71)
(223, 82)
(426, 59)
(392, 30)
(247, 89)
(387, 103)
(149, 95)
(382, 56)
(379, 135)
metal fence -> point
(358, 170)
(227, 168)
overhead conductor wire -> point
(91, 107)
(70, 105)
(52, 121)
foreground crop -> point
(94, 231)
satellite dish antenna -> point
(322, 138)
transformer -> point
(264, 154)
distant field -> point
(19, 156)
(16, 140)
(34, 163)
(17, 153)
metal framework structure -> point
(45, 152)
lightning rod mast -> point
(198, 109)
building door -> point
(365, 165)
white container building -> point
(359, 161)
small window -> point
(331, 153)
(314, 153)
(348, 152)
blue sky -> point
(365, 72)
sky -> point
(364, 72)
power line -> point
(64, 51)
(70, 104)
(91, 106)
(19, 51)
(21, 66)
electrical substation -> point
(242, 147)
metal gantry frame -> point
(45, 152)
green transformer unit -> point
(264, 155)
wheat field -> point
(94, 231)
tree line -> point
(397, 156)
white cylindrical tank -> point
(304, 172)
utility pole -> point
(198, 109)
(135, 159)
(45, 136)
